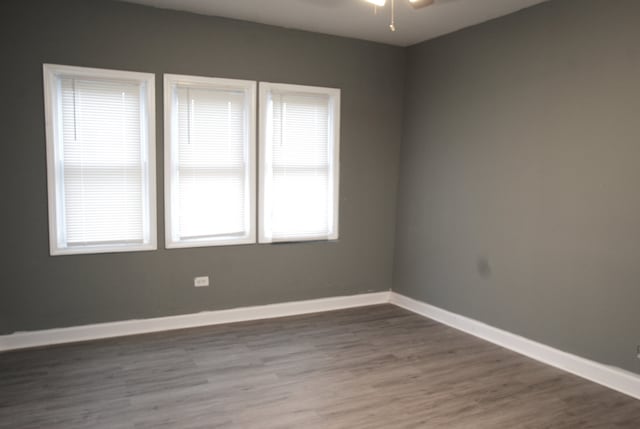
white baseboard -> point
(609, 376)
(21, 340)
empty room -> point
(320, 214)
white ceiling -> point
(355, 18)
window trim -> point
(334, 121)
(51, 74)
(250, 88)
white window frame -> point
(170, 130)
(334, 147)
(57, 238)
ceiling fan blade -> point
(417, 4)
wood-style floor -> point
(371, 367)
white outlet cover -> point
(201, 281)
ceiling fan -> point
(416, 4)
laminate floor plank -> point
(370, 367)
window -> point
(299, 162)
(100, 159)
(209, 161)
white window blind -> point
(299, 163)
(210, 165)
(100, 174)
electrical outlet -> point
(638, 352)
(201, 281)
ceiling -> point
(355, 18)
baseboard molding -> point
(612, 377)
(21, 340)
(609, 376)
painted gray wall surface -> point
(40, 291)
(519, 201)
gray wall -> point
(39, 291)
(519, 200)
